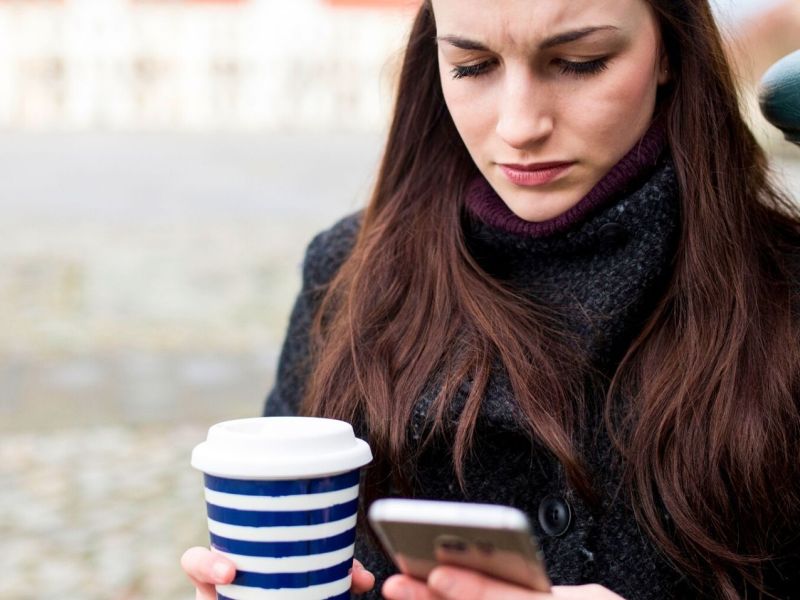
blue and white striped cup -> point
(282, 497)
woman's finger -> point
(403, 587)
(460, 584)
(584, 592)
(362, 581)
(205, 591)
(206, 567)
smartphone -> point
(492, 539)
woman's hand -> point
(449, 583)
(207, 569)
(363, 581)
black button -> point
(555, 515)
(612, 234)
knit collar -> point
(605, 273)
(484, 204)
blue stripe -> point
(263, 518)
(274, 581)
(295, 487)
(345, 596)
(284, 549)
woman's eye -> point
(567, 67)
(583, 69)
(471, 70)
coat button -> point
(612, 234)
(555, 515)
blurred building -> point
(766, 36)
(265, 65)
(198, 64)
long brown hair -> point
(710, 421)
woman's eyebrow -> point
(556, 40)
(460, 42)
(571, 36)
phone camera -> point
(452, 544)
(485, 547)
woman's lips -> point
(533, 175)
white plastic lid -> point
(280, 448)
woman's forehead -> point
(526, 22)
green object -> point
(780, 96)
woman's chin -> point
(539, 211)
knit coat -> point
(605, 274)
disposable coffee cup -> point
(282, 498)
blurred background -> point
(163, 164)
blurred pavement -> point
(145, 284)
(148, 278)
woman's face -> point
(548, 95)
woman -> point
(572, 292)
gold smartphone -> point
(492, 539)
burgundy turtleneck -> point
(484, 203)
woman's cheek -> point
(468, 128)
(473, 115)
(633, 92)
(621, 113)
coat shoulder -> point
(329, 249)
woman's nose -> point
(524, 114)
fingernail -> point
(397, 590)
(221, 571)
(441, 582)
(404, 592)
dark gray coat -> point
(605, 274)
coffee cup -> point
(282, 496)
